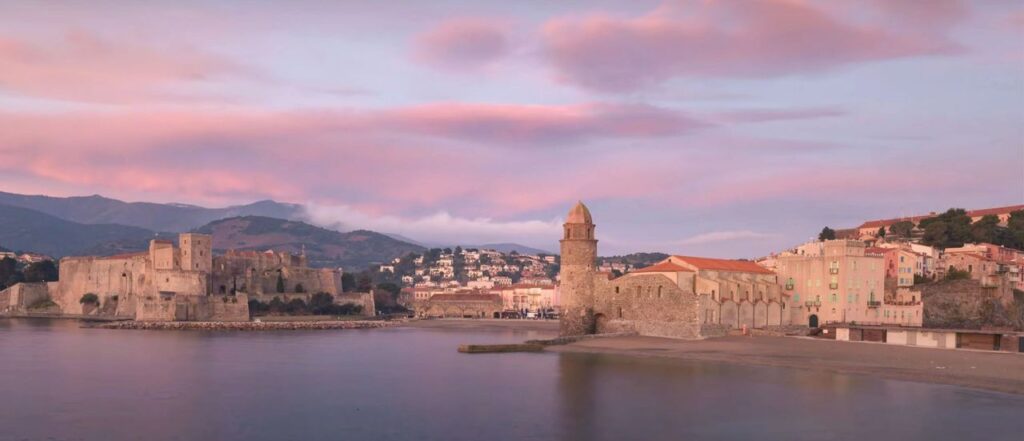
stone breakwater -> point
(247, 326)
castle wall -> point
(648, 304)
(19, 297)
(194, 308)
(106, 277)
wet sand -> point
(997, 371)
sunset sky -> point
(717, 128)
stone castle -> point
(183, 283)
(680, 297)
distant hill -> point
(325, 248)
(638, 260)
(500, 247)
(30, 230)
(509, 247)
(151, 216)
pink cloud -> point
(419, 156)
(733, 39)
(527, 124)
(83, 66)
(462, 44)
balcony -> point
(833, 270)
(789, 287)
(811, 303)
(874, 303)
(833, 286)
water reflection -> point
(60, 381)
(604, 397)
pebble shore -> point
(247, 326)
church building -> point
(679, 297)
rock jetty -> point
(246, 326)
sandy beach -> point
(996, 371)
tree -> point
(947, 230)
(902, 229)
(44, 271)
(827, 234)
(296, 306)
(322, 303)
(276, 305)
(280, 282)
(299, 288)
(1015, 229)
(348, 282)
(89, 299)
(955, 274)
(9, 274)
(364, 283)
(986, 229)
(881, 231)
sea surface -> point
(59, 381)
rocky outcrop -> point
(967, 304)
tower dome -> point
(579, 214)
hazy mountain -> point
(157, 217)
(355, 249)
(30, 230)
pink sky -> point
(698, 127)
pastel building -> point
(839, 281)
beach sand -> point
(996, 371)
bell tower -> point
(576, 277)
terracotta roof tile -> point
(664, 267)
(742, 266)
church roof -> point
(664, 267)
(740, 266)
(579, 215)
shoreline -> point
(248, 326)
(986, 370)
(485, 324)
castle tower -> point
(579, 257)
(196, 252)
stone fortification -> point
(179, 283)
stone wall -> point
(193, 308)
(19, 297)
(647, 304)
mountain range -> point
(30, 230)
(97, 209)
(323, 247)
(97, 225)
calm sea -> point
(62, 382)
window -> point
(616, 290)
(833, 297)
(659, 291)
(796, 298)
